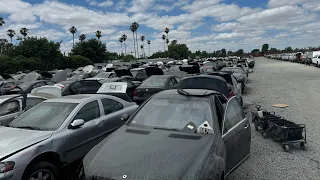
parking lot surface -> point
(298, 85)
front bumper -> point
(15, 174)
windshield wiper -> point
(163, 128)
(26, 127)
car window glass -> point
(90, 87)
(32, 102)
(111, 106)
(75, 88)
(129, 83)
(89, 111)
(50, 83)
(233, 115)
(9, 107)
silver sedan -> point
(56, 133)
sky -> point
(205, 25)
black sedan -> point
(188, 133)
(153, 85)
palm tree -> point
(142, 38)
(2, 22)
(164, 39)
(167, 41)
(121, 41)
(19, 38)
(167, 31)
(149, 42)
(24, 32)
(11, 34)
(82, 37)
(98, 34)
(133, 29)
(141, 46)
(73, 30)
(136, 25)
(124, 38)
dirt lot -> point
(298, 85)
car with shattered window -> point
(192, 132)
(56, 133)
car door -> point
(84, 138)
(113, 111)
(9, 110)
(236, 87)
(236, 134)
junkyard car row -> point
(190, 123)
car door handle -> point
(246, 126)
(100, 124)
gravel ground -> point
(274, 82)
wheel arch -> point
(50, 157)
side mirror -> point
(124, 117)
(76, 123)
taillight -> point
(231, 94)
(12, 86)
(135, 93)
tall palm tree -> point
(2, 22)
(167, 41)
(73, 30)
(136, 25)
(133, 29)
(82, 37)
(11, 34)
(142, 38)
(121, 41)
(164, 44)
(124, 38)
(141, 46)
(98, 34)
(24, 32)
(149, 42)
(166, 30)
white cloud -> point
(278, 3)
(19, 11)
(140, 5)
(105, 3)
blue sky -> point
(201, 24)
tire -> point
(43, 169)
(286, 148)
(302, 146)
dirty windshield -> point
(270, 49)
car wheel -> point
(41, 170)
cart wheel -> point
(302, 146)
(265, 135)
(256, 127)
(286, 148)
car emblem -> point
(146, 89)
(124, 176)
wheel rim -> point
(42, 174)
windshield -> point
(103, 75)
(172, 113)
(25, 86)
(235, 70)
(77, 77)
(157, 81)
(46, 116)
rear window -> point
(154, 82)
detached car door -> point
(236, 134)
(84, 138)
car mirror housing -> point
(76, 123)
(124, 117)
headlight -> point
(6, 166)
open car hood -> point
(209, 82)
(88, 68)
(151, 70)
(54, 91)
(60, 76)
(190, 69)
(45, 75)
(123, 72)
(7, 76)
(31, 77)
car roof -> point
(173, 93)
(77, 98)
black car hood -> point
(148, 154)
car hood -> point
(14, 139)
(156, 154)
